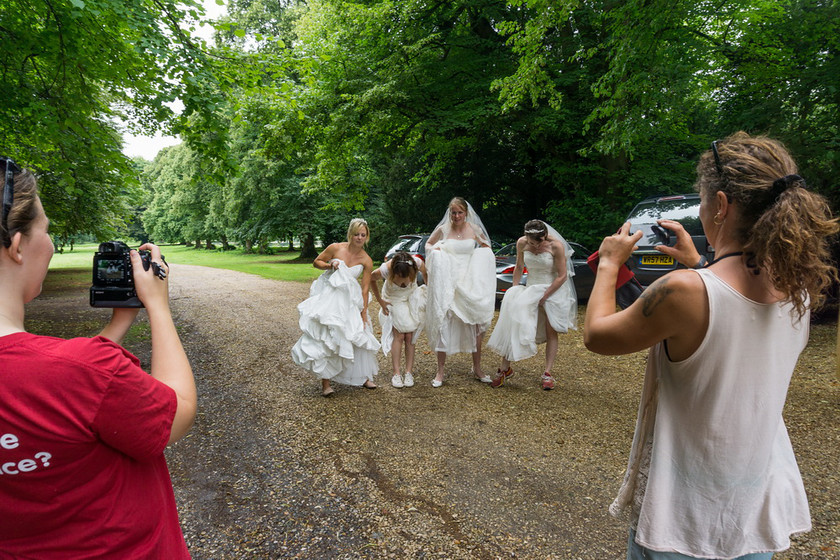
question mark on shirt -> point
(45, 457)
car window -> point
(508, 250)
(399, 245)
(414, 245)
(685, 211)
(580, 252)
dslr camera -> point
(113, 279)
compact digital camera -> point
(113, 280)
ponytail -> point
(785, 228)
(790, 242)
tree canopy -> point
(72, 69)
(303, 114)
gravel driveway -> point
(273, 470)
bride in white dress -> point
(462, 286)
(533, 314)
(337, 342)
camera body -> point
(113, 278)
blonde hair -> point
(459, 201)
(784, 227)
(355, 225)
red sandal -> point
(501, 376)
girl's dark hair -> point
(785, 227)
(402, 264)
(24, 208)
(535, 229)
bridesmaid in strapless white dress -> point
(533, 314)
(337, 341)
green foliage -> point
(301, 116)
(71, 69)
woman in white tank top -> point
(712, 472)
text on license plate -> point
(657, 260)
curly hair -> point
(402, 264)
(785, 228)
(24, 209)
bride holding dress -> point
(462, 286)
(533, 314)
(337, 343)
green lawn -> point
(281, 266)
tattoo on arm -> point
(654, 296)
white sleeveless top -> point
(723, 480)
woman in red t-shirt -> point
(82, 426)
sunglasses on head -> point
(718, 166)
(8, 188)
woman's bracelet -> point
(702, 262)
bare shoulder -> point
(367, 262)
(328, 253)
(676, 290)
(520, 243)
(334, 248)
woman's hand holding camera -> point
(617, 248)
(151, 289)
(169, 361)
(683, 250)
(152, 286)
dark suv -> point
(648, 263)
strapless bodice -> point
(540, 267)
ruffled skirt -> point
(335, 343)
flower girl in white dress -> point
(337, 342)
(403, 311)
(546, 305)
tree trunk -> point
(264, 248)
(307, 250)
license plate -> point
(657, 260)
